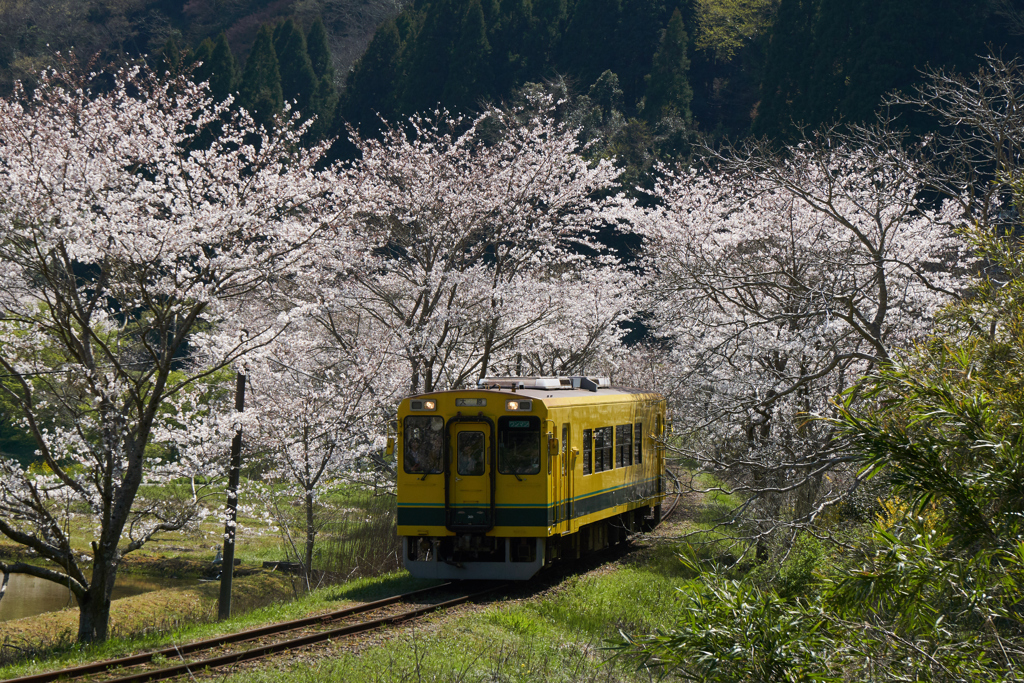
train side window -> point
(623, 445)
(602, 449)
(638, 451)
(423, 443)
(588, 451)
(519, 444)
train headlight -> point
(518, 405)
(423, 405)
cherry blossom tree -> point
(123, 250)
(318, 408)
(463, 242)
(778, 280)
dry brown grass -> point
(163, 610)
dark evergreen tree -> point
(170, 58)
(200, 61)
(223, 69)
(551, 17)
(371, 88)
(584, 51)
(319, 50)
(213, 64)
(668, 86)
(788, 65)
(430, 56)
(607, 95)
(260, 89)
(325, 96)
(298, 80)
(513, 45)
(635, 41)
(840, 30)
(834, 60)
(904, 36)
(469, 78)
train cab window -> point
(423, 444)
(638, 451)
(588, 452)
(602, 449)
(623, 445)
(519, 444)
(470, 447)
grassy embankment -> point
(355, 539)
(559, 634)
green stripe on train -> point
(434, 514)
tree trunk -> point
(310, 537)
(94, 608)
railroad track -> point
(671, 474)
(264, 641)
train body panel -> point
(495, 482)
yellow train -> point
(497, 481)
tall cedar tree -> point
(370, 90)
(606, 94)
(513, 55)
(325, 95)
(223, 69)
(668, 85)
(260, 90)
(787, 68)
(834, 60)
(468, 79)
(170, 58)
(636, 40)
(430, 56)
(200, 61)
(298, 80)
(214, 64)
(584, 52)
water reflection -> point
(27, 595)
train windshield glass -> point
(519, 445)
(423, 444)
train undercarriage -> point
(479, 556)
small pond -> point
(27, 596)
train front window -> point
(471, 453)
(423, 444)
(519, 444)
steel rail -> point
(226, 639)
(679, 493)
(263, 651)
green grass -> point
(283, 606)
(558, 637)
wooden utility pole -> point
(227, 567)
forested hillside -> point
(647, 67)
(730, 63)
(33, 31)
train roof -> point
(548, 388)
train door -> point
(568, 464)
(471, 473)
(554, 481)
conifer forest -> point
(801, 221)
